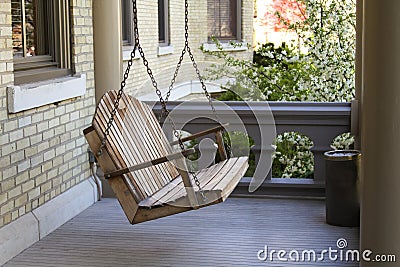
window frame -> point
(239, 18)
(127, 23)
(56, 37)
(165, 24)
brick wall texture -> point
(42, 151)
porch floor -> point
(228, 234)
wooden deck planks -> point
(228, 234)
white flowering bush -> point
(273, 75)
(325, 73)
(293, 158)
(343, 141)
(329, 35)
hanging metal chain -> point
(179, 64)
(185, 49)
(163, 102)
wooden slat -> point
(221, 146)
(202, 133)
(204, 178)
(154, 145)
(112, 144)
(228, 183)
(179, 191)
(227, 165)
(116, 165)
(209, 180)
(134, 153)
(215, 173)
(171, 189)
(145, 142)
(231, 165)
(125, 194)
(114, 155)
(126, 135)
(161, 138)
(154, 162)
(146, 179)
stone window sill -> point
(27, 96)
(165, 50)
(126, 53)
(228, 47)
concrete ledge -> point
(17, 236)
(38, 94)
(64, 207)
(32, 227)
(126, 53)
(296, 188)
(165, 50)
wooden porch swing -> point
(148, 178)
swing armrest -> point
(200, 134)
(178, 155)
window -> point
(224, 19)
(163, 22)
(127, 25)
(41, 39)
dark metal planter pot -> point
(342, 187)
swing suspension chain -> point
(179, 64)
(163, 102)
(199, 76)
(187, 49)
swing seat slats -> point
(221, 178)
(152, 190)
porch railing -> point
(321, 122)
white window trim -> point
(165, 50)
(33, 95)
(228, 47)
(126, 53)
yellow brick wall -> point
(42, 150)
(163, 66)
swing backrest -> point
(136, 137)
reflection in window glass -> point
(222, 19)
(24, 27)
(163, 22)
